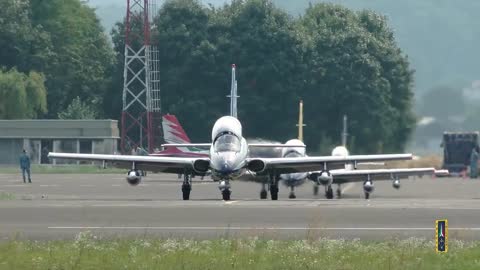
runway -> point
(60, 206)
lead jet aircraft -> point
(227, 160)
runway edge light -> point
(441, 236)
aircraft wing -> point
(309, 164)
(206, 145)
(345, 176)
(199, 145)
(176, 165)
(274, 145)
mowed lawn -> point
(89, 252)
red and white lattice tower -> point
(141, 117)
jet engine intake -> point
(134, 177)
(324, 178)
(201, 165)
(368, 186)
(256, 165)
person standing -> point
(25, 166)
(474, 162)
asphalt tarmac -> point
(59, 206)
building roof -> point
(59, 129)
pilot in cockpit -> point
(227, 142)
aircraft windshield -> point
(227, 143)
(292, 153)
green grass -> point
(5, 196)
(62, 169)
(89, 252)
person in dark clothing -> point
(25, 166)
(474, 162)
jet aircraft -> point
(227, 160)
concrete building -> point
(39, 137)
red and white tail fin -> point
(173, 132)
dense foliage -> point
(22, 95)
(337, 60)
(61, 39)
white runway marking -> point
(254, 228)
(24, 185)
(230, 202)
(49, 185)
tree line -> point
(337, 60)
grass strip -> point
(89, 252)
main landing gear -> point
(274, 187)
(263, 192)
(339, 191)
(315, 189)
(186, 186)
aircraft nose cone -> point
(227, 168)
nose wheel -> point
(329, 192)
(292, 193)
(226, 194)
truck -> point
(457, 148)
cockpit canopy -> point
(227, 142)
(292, 153)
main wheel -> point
(339, 193)
(226, 194)
(329, 192)
(186, 192)
(315, 190)
(274, 192)
(367, 195)
(292, 196)
(263, 194)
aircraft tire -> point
(186, 192)
(263, 194)
(329, 193)
(226, 194)
(274, 192)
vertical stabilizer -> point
(300, 121)
(344, 132)
(173, 132)
(233, 94)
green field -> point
(75, 169)
(90, 252)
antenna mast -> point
(141, 117)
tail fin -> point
(233, 94)
(172, 130)
(344, 132)
(300, 121)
